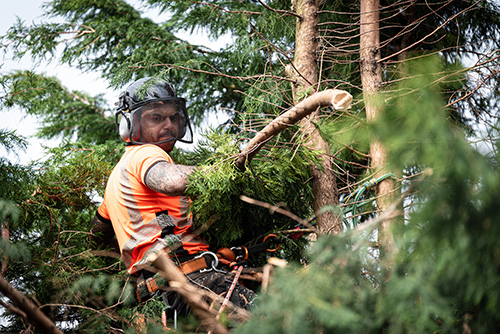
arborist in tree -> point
(144, 203)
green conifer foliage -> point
(61, 113)
(48, 249)
(278, 177)
(443, 276)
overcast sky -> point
(29, 11)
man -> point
(144, 203)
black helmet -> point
(141, 95)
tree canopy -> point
(438, 93)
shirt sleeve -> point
(145, 157)
(102, 213)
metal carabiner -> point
(244, 253)
(213, 264)
(271, 235)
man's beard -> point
(168, 146)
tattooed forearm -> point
(169, 179)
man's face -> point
(160, 122)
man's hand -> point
(102, 235)
(167, 178)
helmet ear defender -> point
(124, 125)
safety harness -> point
(224, 260)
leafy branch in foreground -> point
(279, 176)
(442, 275)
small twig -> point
(112, 254)
(299, 230)
(428, 35)
(216, 73)
(286, 12)
(274, 208)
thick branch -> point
(338, 99)
(34, 315)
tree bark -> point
(4, 234)
(34, 315)
(371, 79)
(305, 71)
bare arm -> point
(167, 178)
(102, 235)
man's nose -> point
(167, 123)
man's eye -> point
(174, 118)
(158, 118)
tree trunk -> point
(305, 72)
(4, 234)
(371, 79)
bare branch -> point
(244, 12)
(36, 317)
(216, 73)
(430, 34)
(274, 208)
(286, 12)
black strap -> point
(259, 247)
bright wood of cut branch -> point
(336, 98)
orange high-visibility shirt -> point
(140, 215)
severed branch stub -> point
(338, 99)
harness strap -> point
(204, 261)
(147, 284)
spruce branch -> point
(339, 99)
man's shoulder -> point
(147, 151)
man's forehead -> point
(163, 108)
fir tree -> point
(444, 270)
(348, 286)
